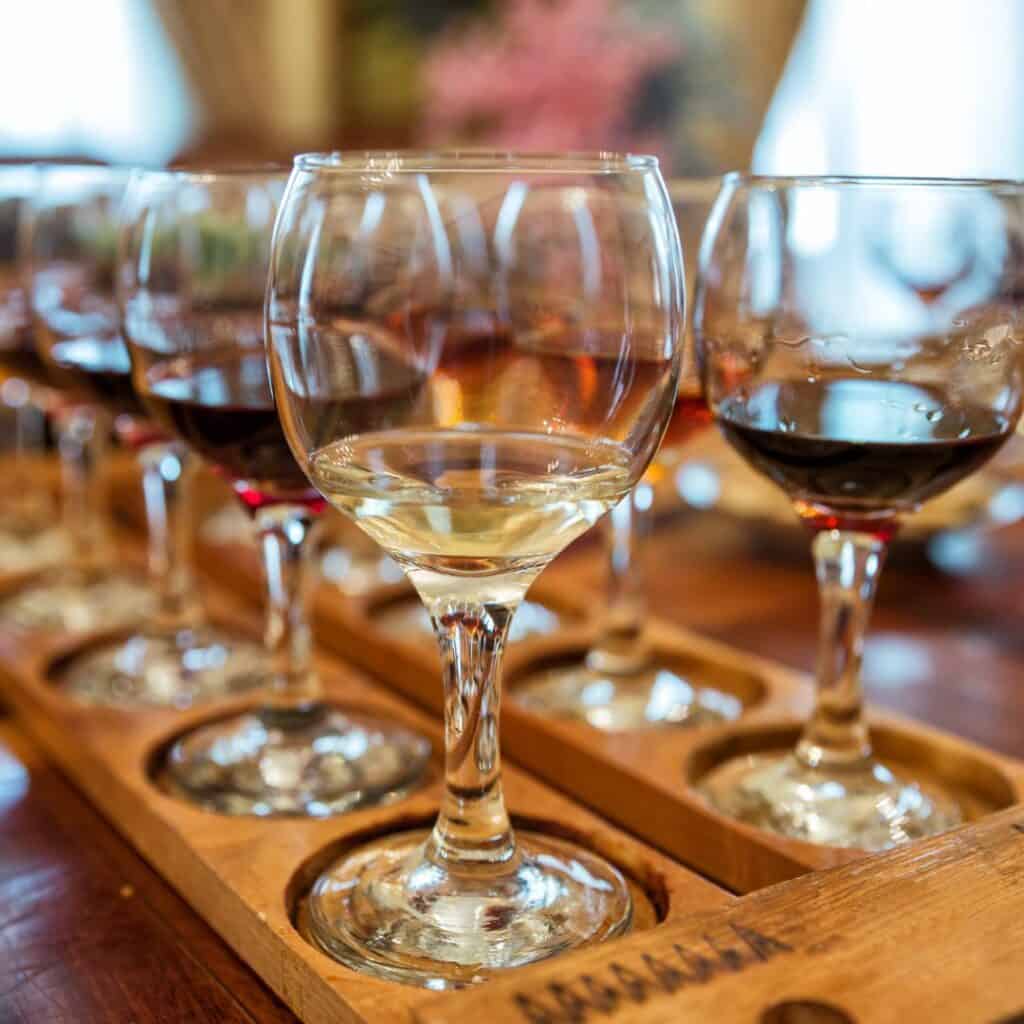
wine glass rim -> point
(201, 174)
(77, 167)
(473, 161)
(775, 181)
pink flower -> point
(551, 74)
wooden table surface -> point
(90, 935)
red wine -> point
(18, 355)
(99, 368)
(81, 339)
(690, 416)
(852, 451)
(221, 406)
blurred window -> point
(94, 78)
(901, 87)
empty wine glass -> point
(474, 357)
(622, 682)
(198, 248)
(862, 393)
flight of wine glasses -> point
(173, 659)
(197, 248)
(622, 682)
(69, 242)
(862, 393)
(474, 357)
(29, 537)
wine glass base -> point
(866, 806)
(387, 910)
(78, 604)
(654, 696)
(314, 761)
(166, 669)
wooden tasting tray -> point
(247, 876)
(642, 780)
(929, 932)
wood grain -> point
(244, 874)
(88, 932)
(644, 780)
(930, 932)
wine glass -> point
(622, 682)
(474, 356)
(197, 252)
(861, 397)
(29, 537)
(176, 658)
(68, 245)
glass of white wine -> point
(519, 321)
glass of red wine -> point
(69, 239)
(861, 396)
(175, 658)
(198, 245)
(474, 357)
(622, 682)
(30, 539)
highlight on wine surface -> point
(861, 343)
(474, 357)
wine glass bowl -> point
(622, 682)
(861, 397)
(474, 357)
(198, 247)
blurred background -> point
(788, 86)
(154, 81)
(918, 87)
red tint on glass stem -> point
(817, 519)
(255, 499)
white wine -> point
(472, 502)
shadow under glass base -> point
(78, 603)
(166, 669)
(865, 806)
(388, 910)
(653, 696)
(315, 761)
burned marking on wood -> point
(622, 984)
(1018, 826)
(804, 1011)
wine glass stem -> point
(847, 565)
(472, 831)
(82, 443)
(284, 532)
(621, 646)
(25, 494)
(165, 481)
